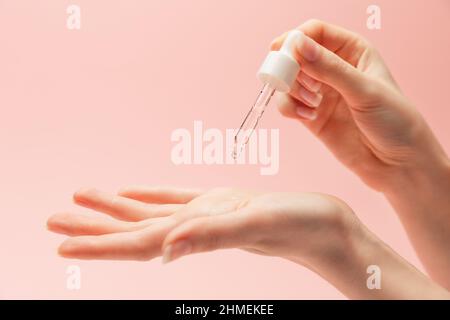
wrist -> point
(344, 248)
(359, 258)
(424, 163)
(335, 241)
(420, 199)
(344, 261)
(430, 173)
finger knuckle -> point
(140, 248)
(371, 90)
(333, 68)
(340, 67)
(286, 107)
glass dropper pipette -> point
(251, 120)
(277, 73)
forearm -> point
(421, 198)
(347, 270)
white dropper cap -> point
(279, 70)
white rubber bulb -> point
(280, 69)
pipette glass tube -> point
(252, 119)
(278, 72)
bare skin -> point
(317, 231)
(369, 125)
(346, 96)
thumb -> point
(232, 230)
(329, 68)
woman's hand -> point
(346, 96)
(364, 119)
(314, 230)
(174, 222)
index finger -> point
(328, 35)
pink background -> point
(96, 107)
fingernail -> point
(310, 83)
(69, 248)
(176, 250)
(84, 195)
(308, 48)
(311, 98)
(306, 113)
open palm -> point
(148, 219)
